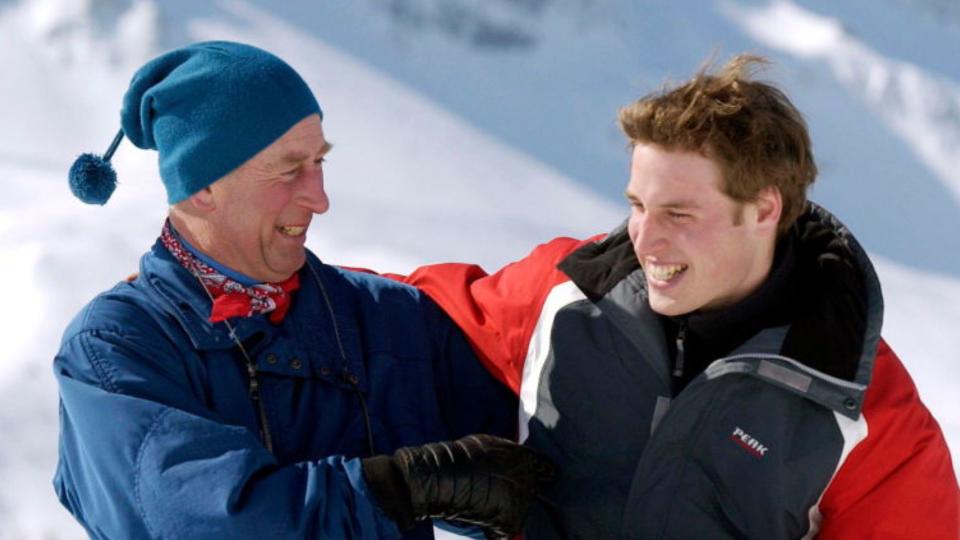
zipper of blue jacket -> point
(253, 389)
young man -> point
(240, 388)
(713, 368)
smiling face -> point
(256, 217)
(699, 249)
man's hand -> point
(479, 479)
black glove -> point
(480, 479)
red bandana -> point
(230, 298)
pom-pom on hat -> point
(206, 108)
(92, 178)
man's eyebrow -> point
(296, 156)
(679, 204)
(670, 205)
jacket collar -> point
(182, 296)
(771, 304)
(844, 314)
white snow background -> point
(466, 130)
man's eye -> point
(678, 216)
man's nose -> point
(649, 235)
(312, 195)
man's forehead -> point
(304, 138)
(670, 192)
(673, 179)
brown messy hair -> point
(749, 128)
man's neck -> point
(710, 335)
(192, 240)
(761, 303)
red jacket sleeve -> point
(898, 483)
(498, 312)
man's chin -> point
(667, 307)
(288, 266)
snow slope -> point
(552, 92)
(464, 130)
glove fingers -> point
(503, 450)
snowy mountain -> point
(466, 130)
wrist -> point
(389, 490)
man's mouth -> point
(664, 272)
(292, 230)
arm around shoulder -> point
(497, 312)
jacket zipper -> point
(254, 393)
(678, 360)
(253, 389)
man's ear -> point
(203, 200)
(769, 205)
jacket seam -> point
(849, 385)
(105, 372)
(137, 495)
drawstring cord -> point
(345, 375)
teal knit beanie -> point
(207, 109)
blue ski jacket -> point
(162, 434)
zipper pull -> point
(678, 361)
(253, 386)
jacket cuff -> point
(389, 490)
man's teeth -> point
(664, 272)
(292, 231)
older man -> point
(240, 388)
(714, 367)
